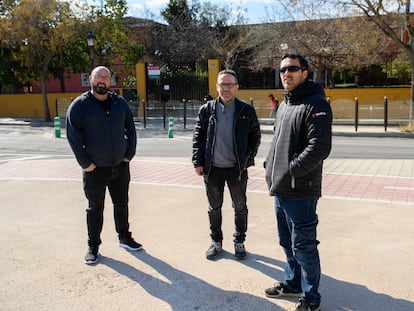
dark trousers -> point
(94, 184)
(215, 190)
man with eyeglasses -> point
(101, 133)
(301, 142)
(225, 142)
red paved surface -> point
(341, 186)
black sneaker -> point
(91, 256)
(130, 244)
(281, 290)
(214, 249)
(239, 251)
(303, 305)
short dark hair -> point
(302, 60)
(230, 72)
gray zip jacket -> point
(302, 140)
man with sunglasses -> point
(301, 142)
(101, 132)
(225, 141)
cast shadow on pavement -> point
(183, 291)
(268, 266)
(342, 295)
(336, 294)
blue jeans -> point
(94, 185)
(215, 190)
(296, 223)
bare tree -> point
(395, 20)
(200, 31)
(390, 17)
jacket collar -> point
(305, 89)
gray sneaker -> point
(239, 251)
(91, 256)
(214, 249)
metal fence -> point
(181, 111)
(62, 105)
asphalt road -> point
(28, 140)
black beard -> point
(102, 90)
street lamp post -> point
(91, 43)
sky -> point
(256, 10)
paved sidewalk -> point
(365, 230)
(367, 180)
(366, 250)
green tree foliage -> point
(34, 31)
(398, 69)
(178, 15)
(7, 49)
(40, 39)
(114, 41)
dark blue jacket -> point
(302, 140)
(246, 135)
(96, 138)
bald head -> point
(99, 69)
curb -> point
(361, 134)
(265, 129)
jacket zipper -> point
(235, 145)
(213, 118)
(276, 144)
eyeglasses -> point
(102, 77)
(227, 85)
(290, 69)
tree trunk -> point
(411, 108)
(411, 116)
(44, 95)
(62, 80)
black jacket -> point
(246, 135)
(302, 140)
(96, 138)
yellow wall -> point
(31, 105)
(371, 100)
(371, 103)
(141, 81)
(213, 70)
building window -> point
(85, 79)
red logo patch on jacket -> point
(318, 114)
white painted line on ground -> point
(399, 188)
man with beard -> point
(101, 132)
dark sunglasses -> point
(290, 69)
